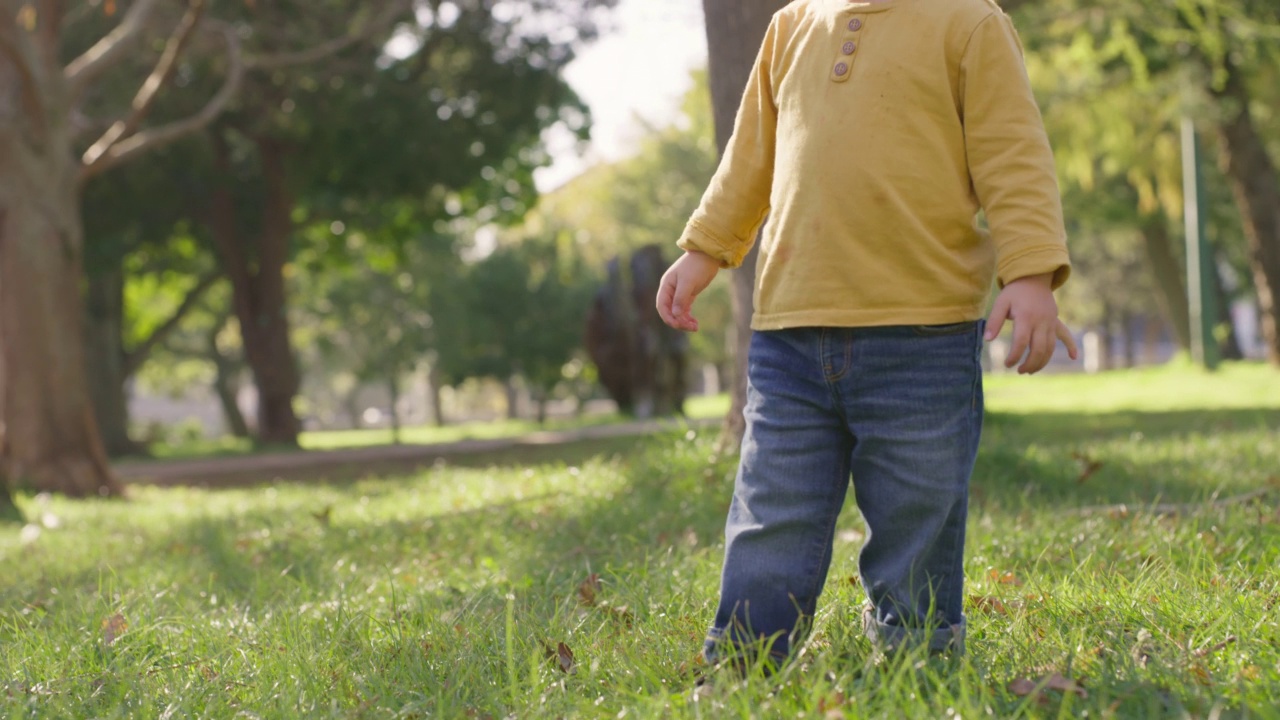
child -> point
(871, 133)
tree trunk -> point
(1127, 344)
(1257, 191)
(542, 408)
(104, 350)
(49, 440)
(735, 30)
(226, 384)
(1106, 338)
(393, 388)
(1170, 276)
(257, 281)
(1229, 345)
(433, 396)
(513, 400)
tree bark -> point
(513, 400)
(1229, 346)
(257, 281)
(49, 440)
(1254, 182)
(104, 349)
(1169, 273)
(393, 388)
(226, 385)
(433, 396)
(735, 30)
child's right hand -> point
(681, 284)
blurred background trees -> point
(322, 214)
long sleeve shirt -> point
(869, 136)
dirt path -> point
(354, 462)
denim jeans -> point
(898, 409)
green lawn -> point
(696, 408)
(1094, 552)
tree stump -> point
(640, 361)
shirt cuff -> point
(1036, 261)
(698, 238)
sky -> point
(640, 65)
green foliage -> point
(647, 199)
(521, 311)
(438, 594)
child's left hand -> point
(1029, 303)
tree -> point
(49, 439)
(735, 30)
(1211, 59)
(526, 305)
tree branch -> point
(111, 49)
(146, 95)
(354, 34)
(165, 134)
(134, 358)
(16, 45)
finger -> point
(682, 304)
(666, 293)
(1064, 334)
(1040, 351)
(999, 313)
(1021, 336)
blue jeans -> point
(900, 410)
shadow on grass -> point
(669, 498)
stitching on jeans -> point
(848, 353)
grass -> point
(698, 407)
(448, 593)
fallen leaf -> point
(988, 604)
(1022, 687)
(1202, 675)
(323, 515)
(1064, 684)
(855, 580)
(1006, 578)
(565, 657)
(113, 627)
(1208, 650)
(621, 613)
(829, 705)
(1250, 672)
(588, 590)
(1089, 466)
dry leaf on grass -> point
(113, 627)
(564, 658)
(1088, 466)
(1005, 578)
(588, 590)
(1208, 650)
(1022, 687)
(988, 604)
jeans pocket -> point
(959, 328)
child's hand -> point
(1029, 303)
(681, 284)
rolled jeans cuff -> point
(890, 638)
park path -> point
(352, 462)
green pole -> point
(1204, 347)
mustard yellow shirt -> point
(870, 135)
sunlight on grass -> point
(1134, 552)
(1177, 386)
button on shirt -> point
(871, 183)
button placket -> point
(843, 66)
